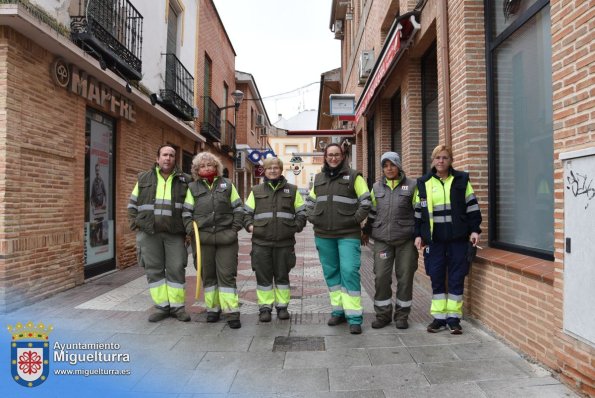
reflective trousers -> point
(219, 272)
(442, 260)
(402, 255)
(271, 266)
(341, 261)
(164, 258)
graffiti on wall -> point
(580, 184)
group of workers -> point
(437, 214)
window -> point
(395, 104)
(290, 149)
(429, 105)
(521, 132)
(371, 145)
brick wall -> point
(42, 159)
(573, 67)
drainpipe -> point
(443, 15)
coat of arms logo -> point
(30, 353)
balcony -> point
(228, 138)
(111, 31)
(178, 95)
(211, 125)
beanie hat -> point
(393, 157)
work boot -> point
(213, 316)
(379, 323)
(180, 314)
(355, 329)
(401, 316)
(402, 323)
(282, 313)
(234, 324)
(265, 315)
(455, 327)
(158, 315)
(336, 320)
(436, 325)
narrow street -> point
(302, 357)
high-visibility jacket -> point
(216, 208)
(337, 205)
(392, 215)
(446, 210)
(276, 213)
(156, 204)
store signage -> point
(387, 60)
(70, 77)
(342, 104)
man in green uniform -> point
(155, 212)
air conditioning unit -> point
(260, 120)
(339, 29)
(241, 160)
(366, 64)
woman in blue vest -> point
(337, 204)
(447, 217)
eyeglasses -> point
(334, 155)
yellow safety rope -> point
(198, 260)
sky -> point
(285, 45)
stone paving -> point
(301, 357)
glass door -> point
(99, 194)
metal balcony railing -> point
(178, 95)
(211, 125)
(111, 30)
(228, 137)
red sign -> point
(259, 171)
(387, 60)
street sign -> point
(259, 171)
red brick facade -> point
(517, 296)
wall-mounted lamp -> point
(155, 99)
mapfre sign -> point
(77, 81)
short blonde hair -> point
(208, 157)
(441, 148)
(268, 162)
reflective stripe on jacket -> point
(276, 213)
(337, 205)
(392, 214)
(446, 210)
(156, 204)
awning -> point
(401, 38)
(322, 133)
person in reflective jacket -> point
(390, 223)
(274, 213)
(155, 212)
(218, 213)
(447, 218)
(337, 204)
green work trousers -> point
(402, 255)
(164, 258)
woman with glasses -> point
(274, 213)
(337, 204)
(219, 215)
(447, 222)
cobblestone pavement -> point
(301, 357)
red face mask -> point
(208, 175)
